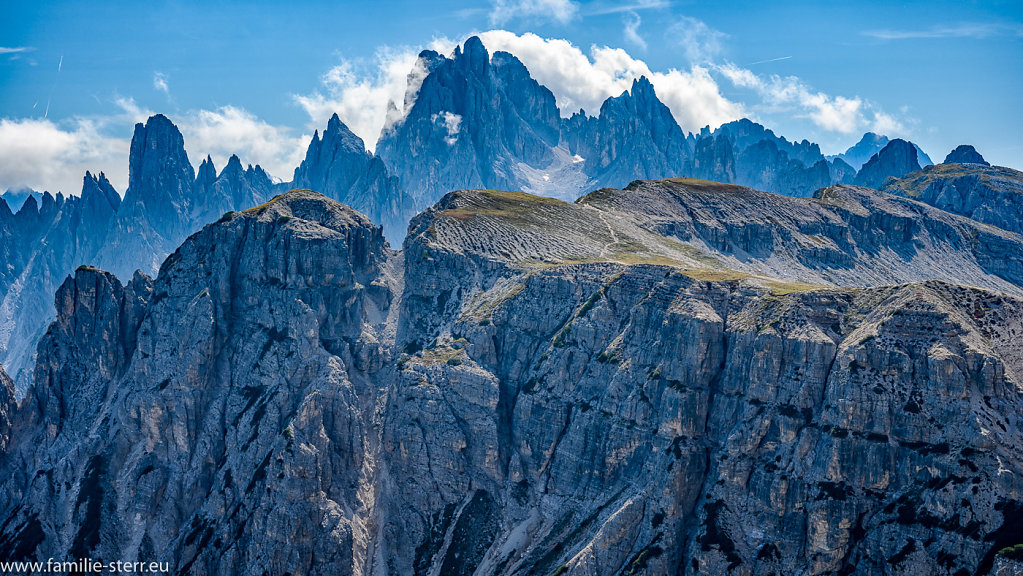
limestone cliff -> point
(679, 377)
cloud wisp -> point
(974, 30)
(631, 22)
(160, 82)
(840, 114)
(560, 11)
(15, 49)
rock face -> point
(680, 377)
(339, 166)
(896, 159)
(8, 403)
(989, 194)
(965, 154)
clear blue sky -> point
(940, 73)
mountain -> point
(166, 200)
(15, 198)
(339, 166)
(679, 376)
(965, 154)
(72, 232)
(154, 217)
(634, 137)
(897, 158)
(989, 194)
(47, 239)
(858, 154)
(476, 121)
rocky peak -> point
(339, 166)
(897, 158)
(635, 136)
(965, 154)
(206, 175)
(158, 168)
(98, 192)
(477, 121)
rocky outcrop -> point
(638, 382)
(989, 194)
(896, 159)
(339, 166)
(213, 395)
(965, 154)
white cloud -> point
(700, 43)
(230, 130)
(562, 11)
(160, 82)
(15, 49)
(360, 92)
(841, 114)
(581, 81)
(631, 20)
(45, 155)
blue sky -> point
(257, 77)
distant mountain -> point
(69, 231)
(858, 154)
(46, 239)
(339, 166)
(965, 154)
(476, 122)
(634, 137)
(898, 157)
(15, 198)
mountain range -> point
(605, 346)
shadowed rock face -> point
(7, 406)
(636, 382)
(989, 194)
(897, 158)
(965, 154)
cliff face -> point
(989, 194)
(633, 383)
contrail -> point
(771, 60)
(59, 65)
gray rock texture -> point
(989, 194)
(678, 377)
